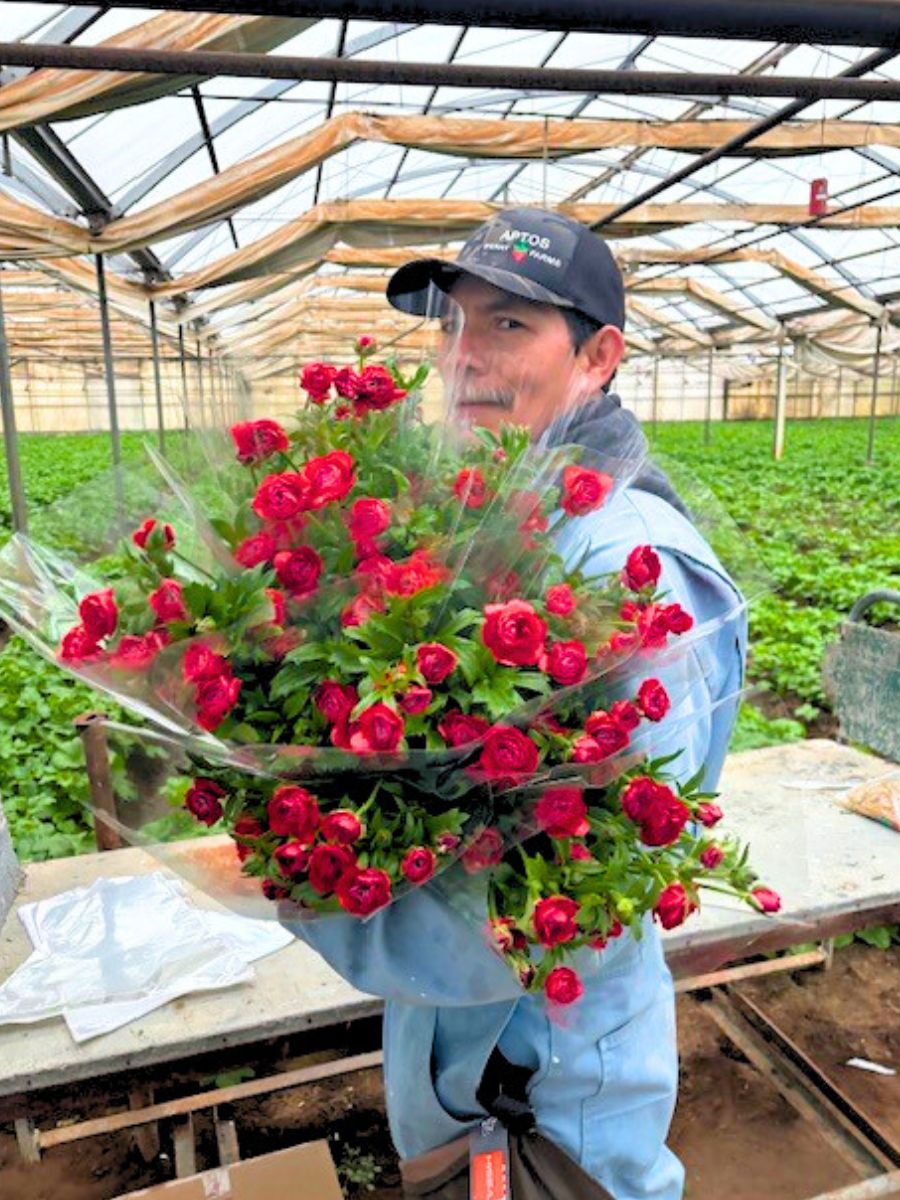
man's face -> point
(509, 361)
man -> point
(541, 307)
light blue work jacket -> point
(605, 1073)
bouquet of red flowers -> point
(368, 662)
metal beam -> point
(8, 428)
(849, 78)
(825, 22)
(211, 151)
(330, 70)
(58, 160)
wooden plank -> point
(185, 1147)
(189, 1104)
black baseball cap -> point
(531, 253)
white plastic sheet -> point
(112, 952)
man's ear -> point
(601, 354)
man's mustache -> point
(494, 398)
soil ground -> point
(738, 1138)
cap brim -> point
(410, 289)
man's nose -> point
(472, 350)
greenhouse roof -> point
(230, 199)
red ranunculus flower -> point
(364, 892)
(562, 986)
(246, 830)
(578, 852)
(502, 585)
(653, 700)
(586, 750)
(274, 891)
(514, 633)
(379, 730)
(435, 662)
(560, 600)
(418, 864)
(665, 819)
(168, 602)
(712, 856)
(140, 536)
(346, 383)
(256, 441)
(709, 814)
(298, 570)
(766, 900)
(470, 488)
(485, 851)
(316, 380)
(341, 826)
(639, 796)
(335, 701)
(653, 626)
(215, 698)
(328, 478)
(134, 653)
(459, 729)
(584, 490)
(366, 344)
(203, 800)
(673, 907)
(554, 920)
(292, 859)
(200, 661)
(256, 549)
(99, 614)
(413, 575)
(358, 611)
(368, 518)
(625, 715)
(562, 813)
(77, 646)
(677, 619)
(606, 732)
(642, 568)
(565, 663)
(375, 389)
(293, 813)
(415, 699)
(281, 497)
(508, 756)
(504, 936)
(328, 865)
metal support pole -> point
(108, 363)
(199, 361)
(182, 354)
(157, 379)
(876, 371)
(840, 391)
(655, 410)
(894, 384)
(707, 424)
(10, 438)
(780, 398)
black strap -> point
(503, 1093)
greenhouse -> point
(448, 454)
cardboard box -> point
(304, 1172)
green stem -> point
(193, 565)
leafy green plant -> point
(358, 1169)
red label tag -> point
(488, 1176)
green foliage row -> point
(825, 524)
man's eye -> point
(510, 323)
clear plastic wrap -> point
(369, 646)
